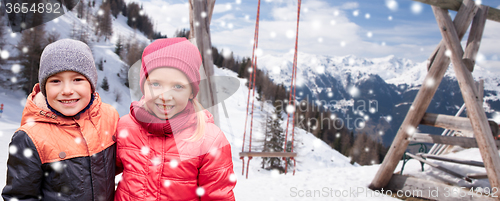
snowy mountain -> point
(375, 90)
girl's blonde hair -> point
(200, 122)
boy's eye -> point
(79, 79)
(54, 81)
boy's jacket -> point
(61, 158)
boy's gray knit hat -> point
(67, 55)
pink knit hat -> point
(176, 53)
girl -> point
(169, 147)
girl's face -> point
(166, 92)
(68, 92)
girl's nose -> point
(166, 96)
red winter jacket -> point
(159, 167)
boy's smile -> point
(68, 92)
(167, 92)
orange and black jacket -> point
(61, 158)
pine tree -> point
(105, 27)
(105, 85)
(274, 142)
(30, 49)
(119, 46)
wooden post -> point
(201, 28)
(476, 113)
(493, 14)
(475, 35)
(422, 100)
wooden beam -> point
(446, 121)
(431, 190)
(268, 154)
(478, 118)
(478, 175)
(452, 160)
(451, 172)
(465, 142)
(204, 43)
(421, 103)
(493, 15)
(475, 36)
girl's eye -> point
(155, 84)
(178, 86)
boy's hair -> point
(67, 55)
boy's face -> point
(68, 92)
(167, 92)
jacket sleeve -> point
(24, 170)
(216, 175)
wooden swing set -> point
(291, 100)
(463, 64)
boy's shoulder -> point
(108, 109)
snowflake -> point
(203, 14)
(381, 132)
(13, 35)
(337, 135)
(354, 91)
(238, 2)
(479, 2)
(25, 50)
(141, 12)
(230, 26)
(276, 70)
(389, 18)
(355, 13)
(145, 150)
(389, 118)
(391, 4)
(226, 53)
(372, 110)
(373, 162)
(247, 17)
(383, 43)
(316, 143)
(200, 191)
(100, 12)
(366, 117)
(167, 183)
(123, 134)
(320, 40)
(333, 22)
(259, 52)
(447, 53)
(156, 160)
(222, 24)
(429, 82)
(4, 54)
(416, 8)
(214, 152)
(13, 79)
(28, 153)
(320, 69)
(361, 124)
(330, 94)
(290, 34)
(342, 43)
(232, 177)
(411, 130)
(290, 109)
(209, 51)
(367, 149)
(78, 140)
(369, 34)
(228, 6)
(57, 166)
(12, 149)
(174, 163)
(332, 117)
(367, 15)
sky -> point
(364, 28)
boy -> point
(64, 149)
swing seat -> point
(268, 154)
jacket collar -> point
(36, 110)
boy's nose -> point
(67, 89)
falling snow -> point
(28, 153)
(4, 54)
(391, 4)
(174, 163)
(417, 8)
(167, 183)
(200, 191)
(123, 134)
(12, 149)
(145, 150)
